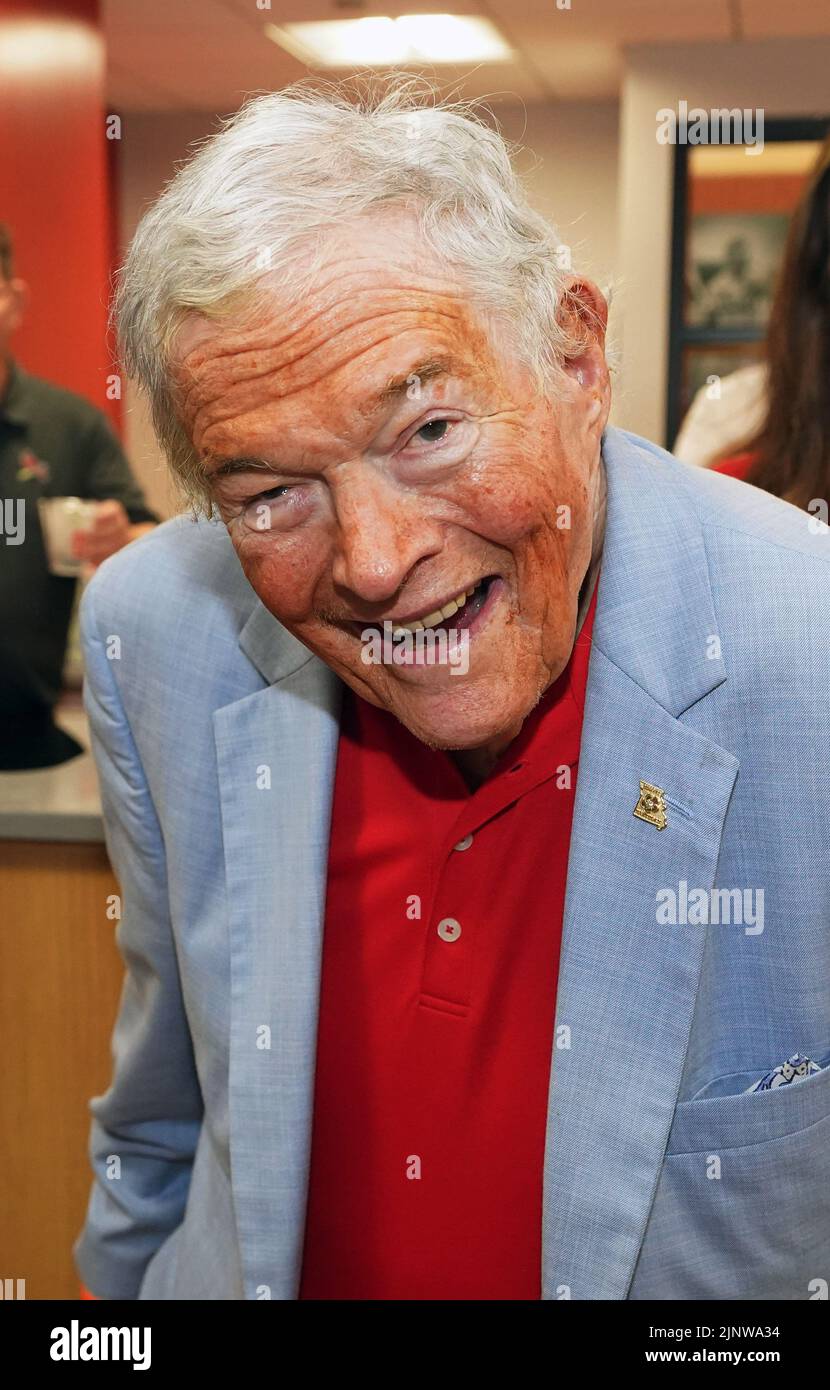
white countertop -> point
(55, 803)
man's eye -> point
(271, 508)
(271, 494)
(426, 432)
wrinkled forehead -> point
(361, 320)
(319, 280)
(384, 247)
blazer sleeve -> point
(145, 1128)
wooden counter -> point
(60, 983)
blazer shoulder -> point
(727, 506)
(730, 504)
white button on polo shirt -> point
(449, 929)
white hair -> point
(257, 197)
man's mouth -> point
(457, 613)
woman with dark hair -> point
(790, 454)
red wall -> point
(54, 188)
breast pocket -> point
(736, 1118)
(742, 1208)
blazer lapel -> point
(276, 753)
(627, 984)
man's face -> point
(388, 459)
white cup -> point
(60, 518)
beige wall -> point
(784, 78)
(569, 159)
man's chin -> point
(455, 730)
(454, 713)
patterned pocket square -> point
(796, 1068)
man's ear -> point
(20, 291)
(583, 314)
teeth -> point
(433, 619)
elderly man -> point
(369, 1047)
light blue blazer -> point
(710, 679)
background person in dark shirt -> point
(52, 444)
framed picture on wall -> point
(731, 218)
(732, 263)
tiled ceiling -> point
(206, 55)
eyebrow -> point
(238, 464)
(397, 386)
(426, 371)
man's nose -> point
(382, 532)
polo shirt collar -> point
(15, 405)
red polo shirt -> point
(440, 961)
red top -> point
(439, 973)
(737, 467)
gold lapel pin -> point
(652, 805)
